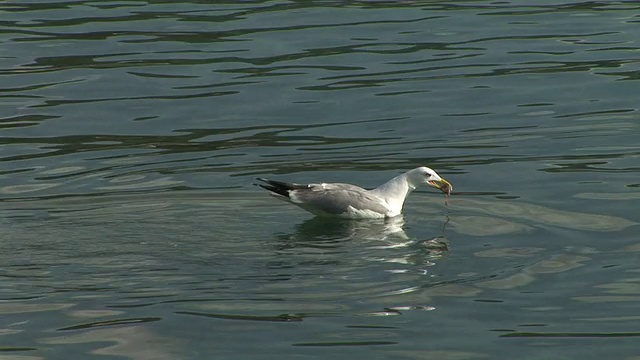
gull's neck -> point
(394, 192)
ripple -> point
(509, 282)
(435, 354)
(27, 188)
(558, 263)
(62, 170)
(543, 215)
(276, 318)
(486, 226)
(509, 252)
(108, 323)
(346, 343)
(609, 196)
(123, 341)
(94, 313)
(20, 308)
(161, 182)
(607, 299)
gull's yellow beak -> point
(443, 185)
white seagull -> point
(354, 202)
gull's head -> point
(425, 175)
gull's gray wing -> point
(336, 199)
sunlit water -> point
(131, 132)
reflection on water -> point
(99, 267)
(320, 229)
(166, 260)
(316, 269)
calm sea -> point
(131, 131)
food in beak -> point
(443, 185)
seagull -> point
(354, 202)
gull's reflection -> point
(322, 232)
(322, 228)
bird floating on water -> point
(351, 201)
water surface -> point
(131, 132)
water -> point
(131, 133)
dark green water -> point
(130, 134)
